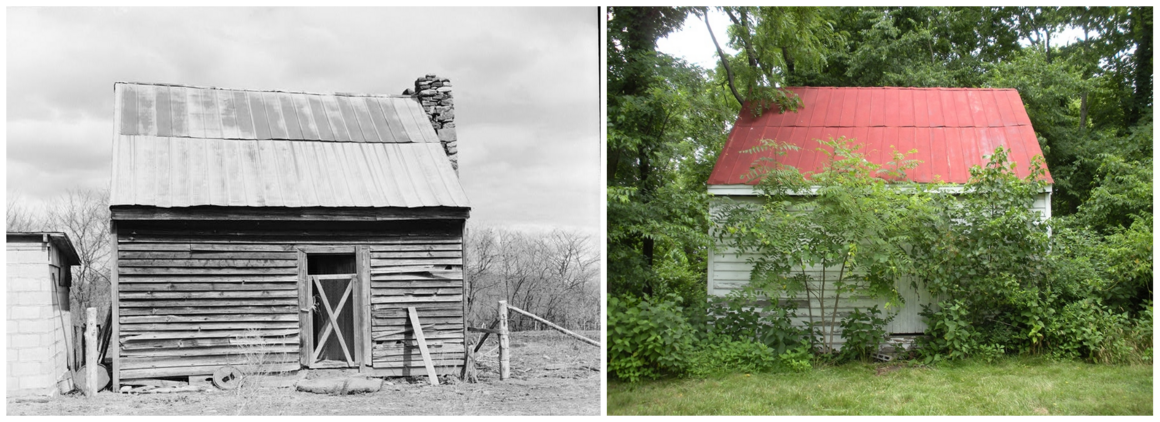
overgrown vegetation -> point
(1076, 286)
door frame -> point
(360, 300)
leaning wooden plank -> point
(556, 327)
(431, 376)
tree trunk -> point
(1141, 18)
(1083, 110)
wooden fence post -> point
(504, 361)
(91, 352)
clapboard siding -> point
(430, 279)
(729, 271)
(194, 297)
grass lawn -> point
(1011, 386)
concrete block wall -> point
(39, 333)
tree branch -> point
(724, 62)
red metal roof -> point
(951, 129)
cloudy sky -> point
(526, 86)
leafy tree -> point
(773, 42)
(840, 240)
(666, 126)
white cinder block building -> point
(39, 336)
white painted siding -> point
(730, 271)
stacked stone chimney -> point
(434, 94)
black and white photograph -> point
(303, 211)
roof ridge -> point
(336, 93)
(919, 88)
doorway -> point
(333, 282)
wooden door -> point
(332, 308)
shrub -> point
(864, 333)
(739, 317)
(647, 339)
(726, 355)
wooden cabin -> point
(951, 129)
(274, 231)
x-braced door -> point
(333, 313)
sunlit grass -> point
(1016, 386)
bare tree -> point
(84, 216)
(481, 255)
(554, 275)
(22, 218)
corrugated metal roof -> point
(178, 146)
(951, 128)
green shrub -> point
(739, 317)
(864, 333)
(647, 340)
(725, 355)
(798, 359)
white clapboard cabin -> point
(282, 230)
(951, 129)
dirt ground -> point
(551, 375)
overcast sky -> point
(526, 86)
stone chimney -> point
(434, 94)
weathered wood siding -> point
(194, 296)
(426, 274)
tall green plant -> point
(824, 236)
